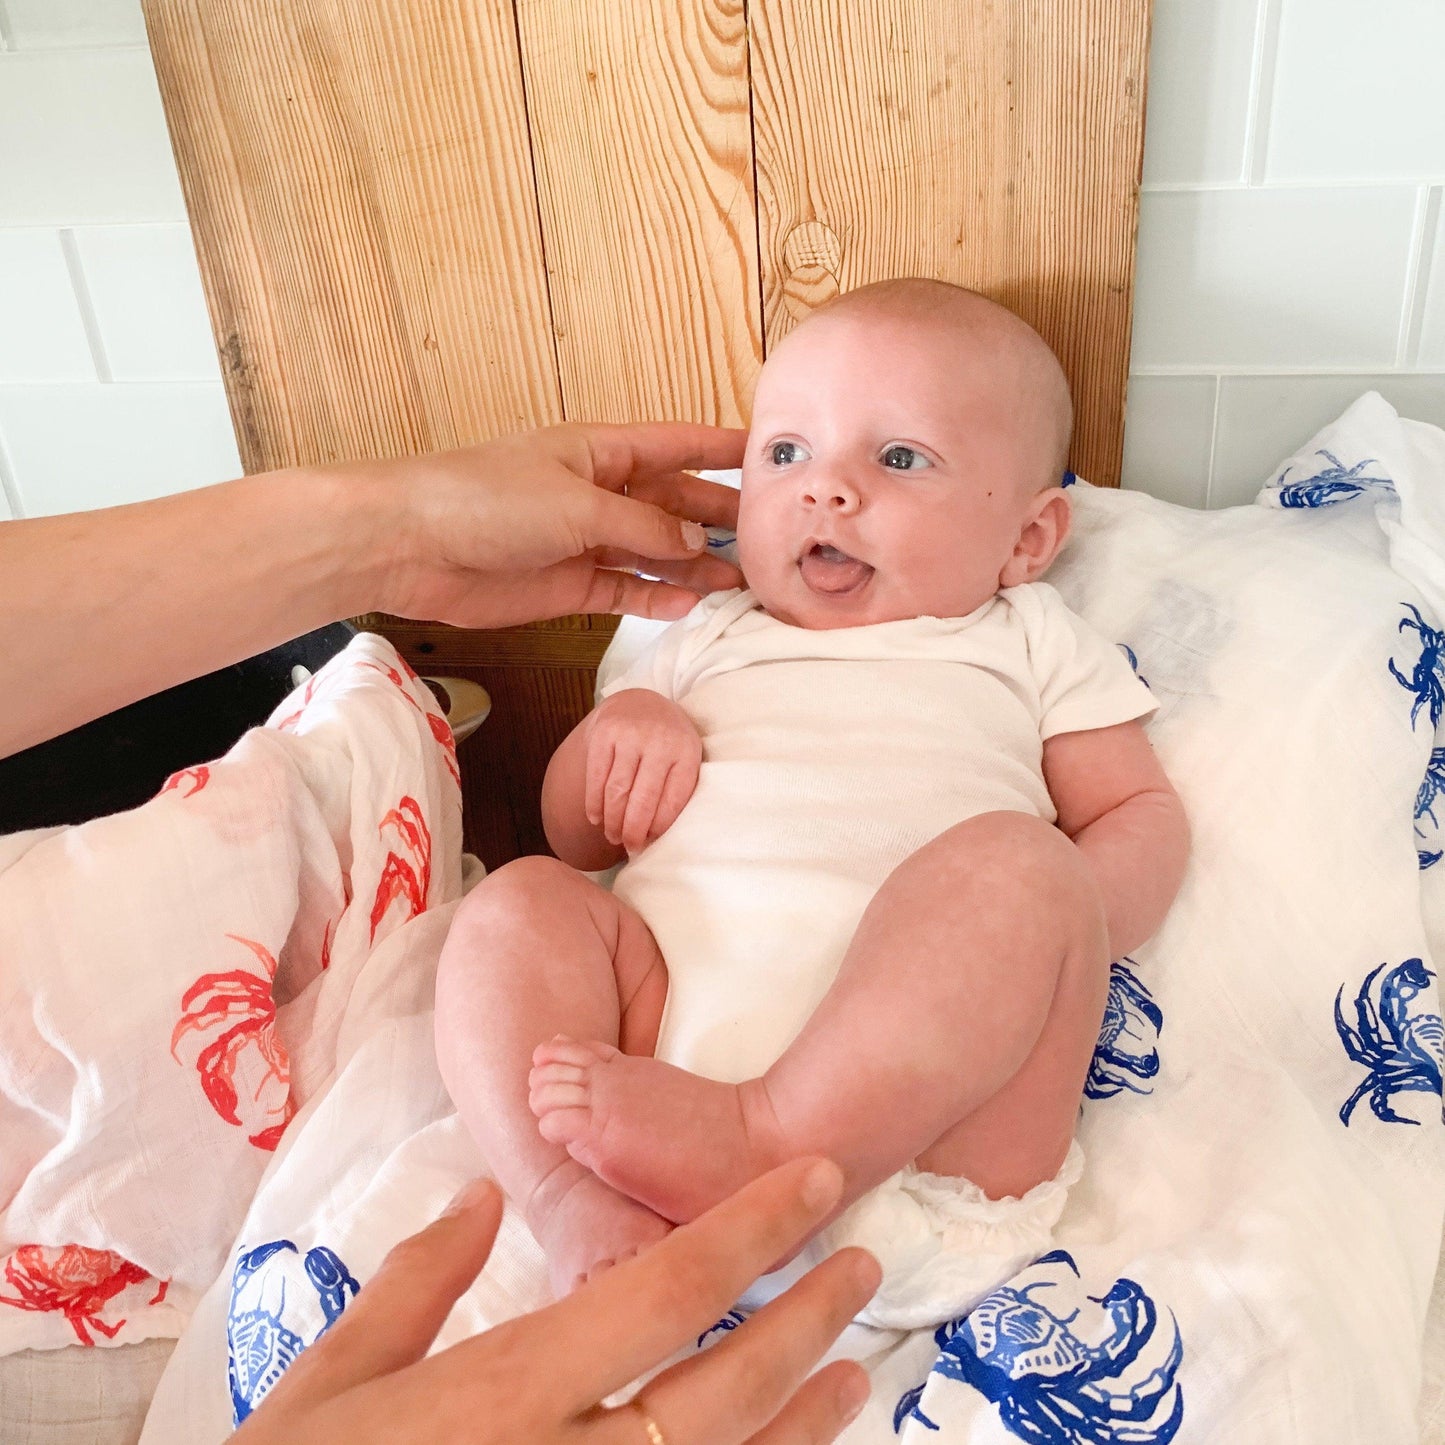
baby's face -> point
(885, 475)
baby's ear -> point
(1045, 529)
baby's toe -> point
(545, 1094)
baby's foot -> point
(676, 1142)
(585, 1226)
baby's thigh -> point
(538, 927)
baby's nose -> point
(835, 493)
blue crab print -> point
(1133, 659)
(1431, 786)
(1425, 680)
(1333, 484)
(730, 1321)
(280, 1304)
(1127, 1054)
(1397, 1038)
(722, 542)
(1060, 1372)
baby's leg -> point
(537, 949)
(958, 1032)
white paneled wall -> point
(1291, 252)
(109, 386)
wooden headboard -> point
(422, 223)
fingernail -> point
(468, 1197)
(822, 1185)
(868, 1272)
(694, 535)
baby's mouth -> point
(830, 570)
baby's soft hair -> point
(930, 301)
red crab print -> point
(440, 728)
(307, 693)
(237, 1013)
(407, 877)
(75, 1281)
(187, 781)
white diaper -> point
(942, 1242)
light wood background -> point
(422, 223)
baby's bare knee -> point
(512, 900)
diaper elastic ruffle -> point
(942, 1242)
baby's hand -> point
(643, 755)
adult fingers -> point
(621, 453)
(625, 1320)
(395, 1318)
(823, 1405)
(748, 1377)
(713, 503)
(706, 572)
(621, 592)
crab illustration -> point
(1425, 681)
(441, 729)
(1336, 483)
(187, 781)
(1059, 1372)
(1397, 1038)
(405, 875)
(236, 1013)
(1133, 660)
(729, 1322)
(1431, 786)
(276, 1296)
(1127, 1053)
(77, 1282)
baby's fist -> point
(643, 758)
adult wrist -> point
(363, 535)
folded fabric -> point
(177, 984)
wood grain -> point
(996, 145)
(640, 129)
(421, 223)
(359, 182)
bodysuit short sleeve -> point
(1084, 679)
(659, 666)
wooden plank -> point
(640, 125)
(359, 181)
(443, 648)
(995, 145)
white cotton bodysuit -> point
(829, 756)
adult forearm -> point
(572, 837)
(1137, 853)
(98, 609)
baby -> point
(887, 815)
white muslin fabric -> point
(829, 757)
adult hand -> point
(541, 1378)
(551, 522)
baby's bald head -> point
(990, 345)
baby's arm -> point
(620, 779)
(1122, 813)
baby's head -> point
(918, 429)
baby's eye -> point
(900, 458)
(783, 453)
